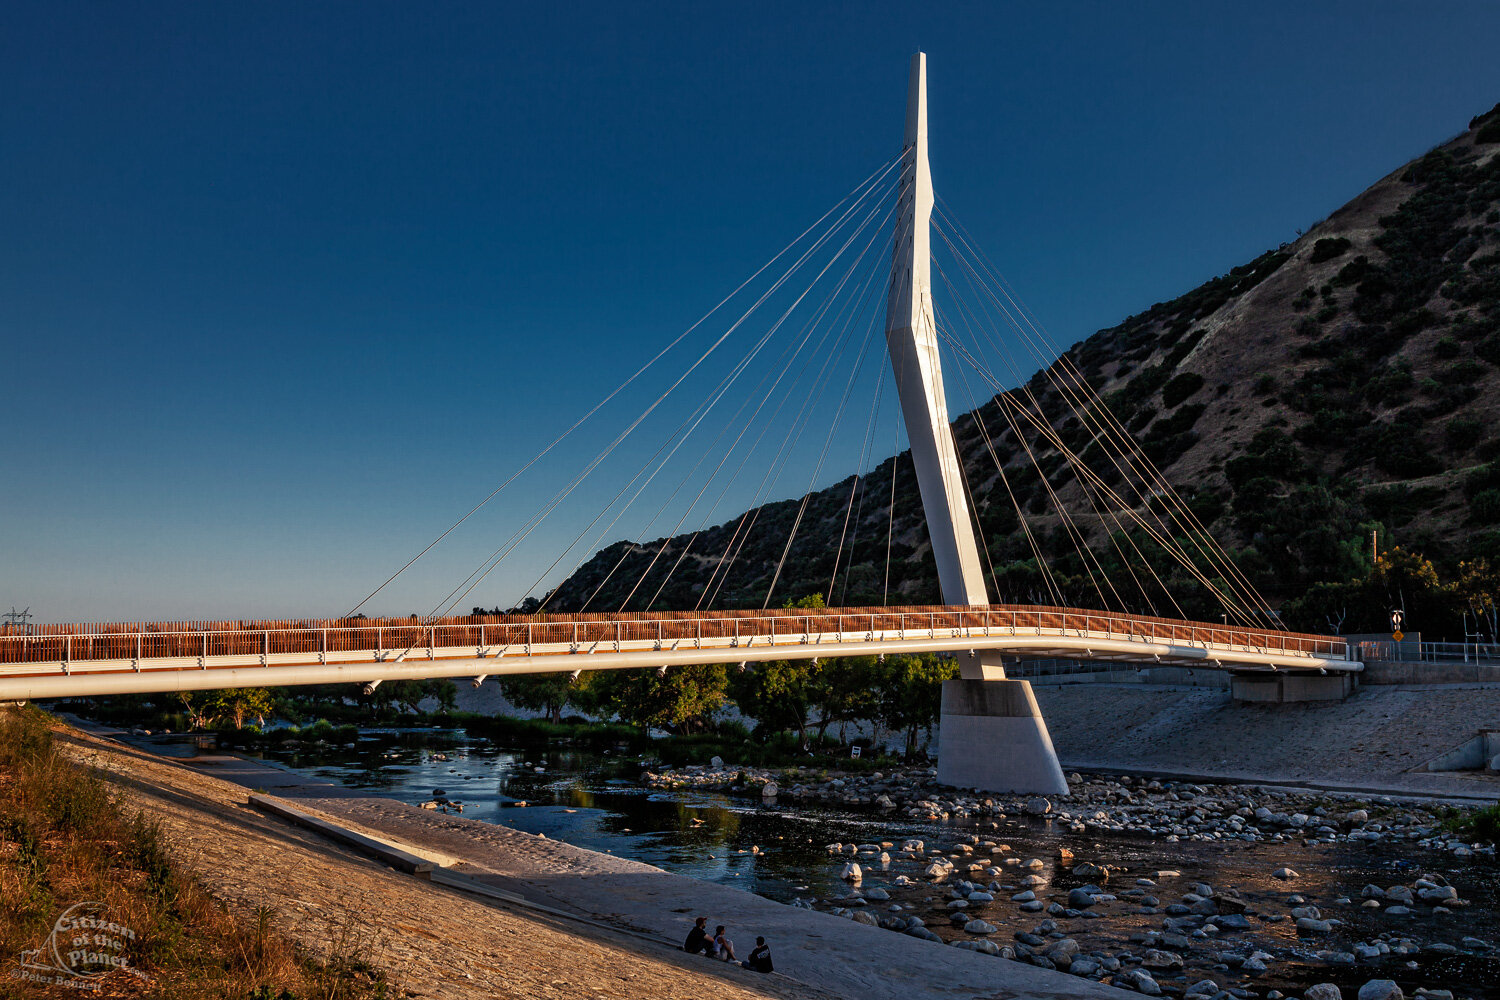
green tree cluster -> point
(1405, 580)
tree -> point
(407, 696)
(200, 711)
(684, 696)
(777, 694)
(846, 689)
(1409, 581)
(238, 703)
(1478, 587)
(548, 693)
(911, 698)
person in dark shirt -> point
(760, 958)
(697, 940)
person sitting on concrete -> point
(760, 958)
(698, 942)
(724, 948)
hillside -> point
(1345, 382)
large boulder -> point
(1091, 871)
(938, 869)
(1323, 991)
(1139, 980)
(1062, 952)
(1085, 966)
(1381, 989)
(1081, 899)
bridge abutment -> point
(993, 737)
(1291, 686)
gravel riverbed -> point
(1164, 887)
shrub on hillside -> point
(1463, 433)
(1490, 133)
(1485, 507)
(1483, 478)
(1329, 248)
(1390, 384)
(1180, 388)
(1488, 350)
(1397, 448)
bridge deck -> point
(78, 660)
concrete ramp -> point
(1481, 753)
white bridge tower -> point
(993, 736)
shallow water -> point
(591, 800)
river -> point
(592, 799)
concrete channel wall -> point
(1429, 672)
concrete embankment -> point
(589, 924)
(1379, 739)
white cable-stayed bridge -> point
(1115, 557)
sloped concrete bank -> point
(1378, 739)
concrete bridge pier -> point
(992, 734)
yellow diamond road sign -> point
(1398, 635)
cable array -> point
(1069, 509)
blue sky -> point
(285, 288)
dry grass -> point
(64, 839)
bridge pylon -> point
(992, 734)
